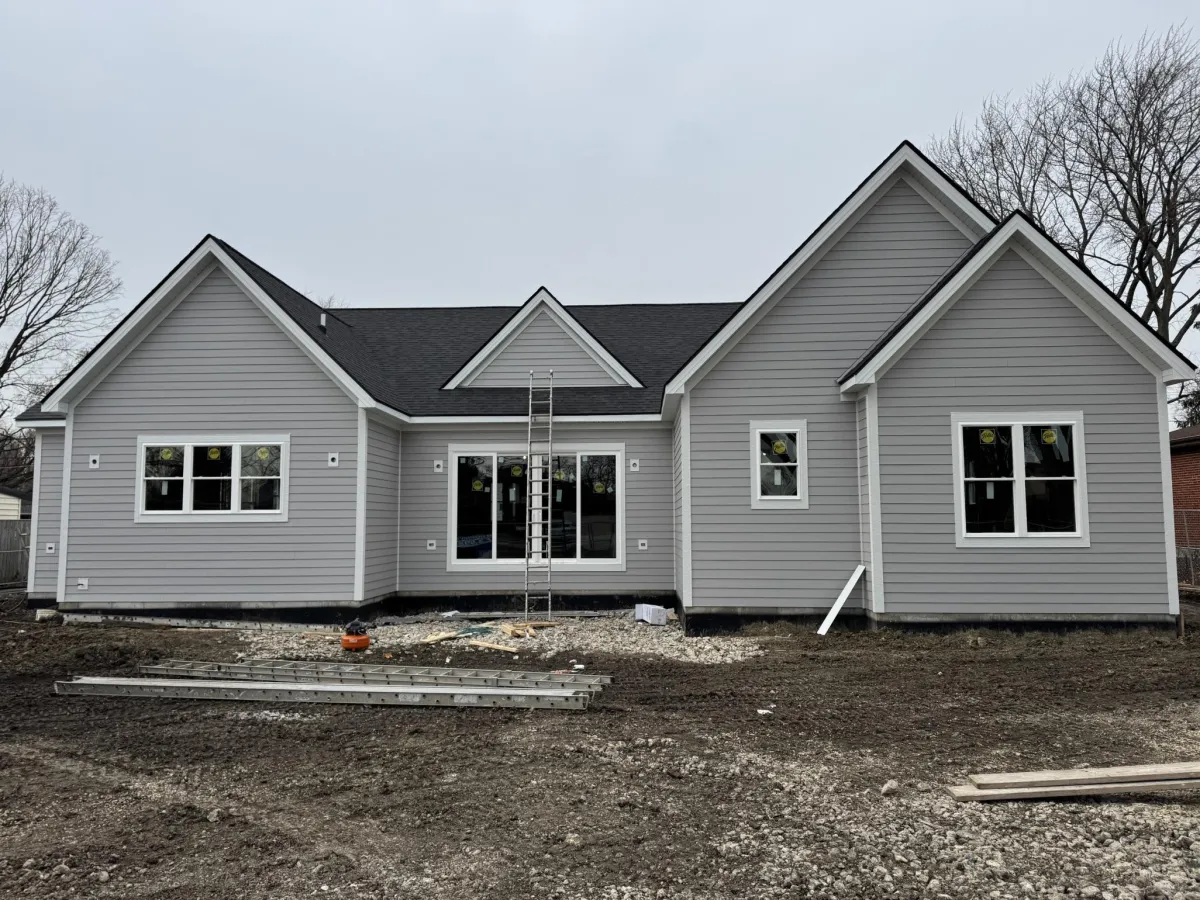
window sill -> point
(172, 518)
(518, 565)
(783, 503)
(1009, 541)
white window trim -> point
(1022, 538)
(800, 426)
(453, 451)
(142, 515)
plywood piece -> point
(968, 792)
(1113, 774)
(439, 636)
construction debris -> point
(650, 614)
(487, 645)
(1079, 782)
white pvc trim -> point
(1022, 538)
(65, 510)
(30, 584)
(542, 299)
(1168, 493)
(360, 509)
(841, 600)
(399, 499)
(41, 424)
(874, 500)
(685, 414)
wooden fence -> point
(14, 552)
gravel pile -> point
(603, 635)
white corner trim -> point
(685, 416)
(815, 245)
(542, 300)
(875, 501)
(360, 509)
(399, 499)
(1168, 493)
(1105, 312)
(64, 524)
(800, 426)
(30, 583)
(1021, 538)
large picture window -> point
(222, 476)
(489, 507)
(779, 464)
(1020, 479)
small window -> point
(1020, 481)
(779, 465)
(198, 478)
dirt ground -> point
(673, 784)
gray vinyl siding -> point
(785, 368)
(677, 439)
(49, 475)
(864, 495)
(648, 512)
(543, 345)
(1013, 342)
(383, 510)
(215, 365)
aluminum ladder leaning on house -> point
(539, 466)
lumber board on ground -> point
(968, 792)
(487, 645)
(1112, 774)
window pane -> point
(162, 496)
(1050, 505)
(260, 493)
(598, 507)
(564, 512)
(260, 460)
(777, 447)
(987, 451)
(989, 507)
(212, 494)
(778, 481)
(512, 485)
(164, 462)
(212, 462)
(474, 513)
(1048, 452)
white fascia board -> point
(1017, 234)
(541, 300)
(904, 160)
(521, 420)
(41, 424)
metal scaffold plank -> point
(349, 673)
(309, 692)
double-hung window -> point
(1020, 479)
(779, 464)
(490, 511)
(191, 477)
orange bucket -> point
(356, 641)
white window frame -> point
(757, 500)
(453, 451)
(188, 515)
(1022, 537)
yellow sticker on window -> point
(477, 485)
(1049, 436)
(166, 453)
(558, 476)
(599, 487)
(779, 448)
(214, 452)
(263, 452)
(516, 471)
(987, 436)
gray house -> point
(949, 402)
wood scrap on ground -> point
(1049, 784)
(487, 645)
(524, 629)
(438, 636)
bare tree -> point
(1107, 161)
(57, 287)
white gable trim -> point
(906, 161)
(1050, 261)
(142, 320)
(542, 300)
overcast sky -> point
(464, 153)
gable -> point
(886, 260)
(542, 345)
(214, 349)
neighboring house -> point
(15, 504)
(949, 401)
(1185, 482)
